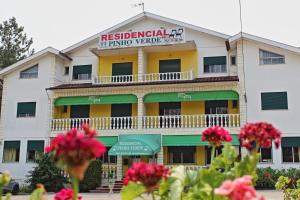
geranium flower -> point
(75, 150)
(216, 135)
(238, 189)
(261, 134)
(147, 174)
(65, 194)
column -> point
(141, 111)
(119, 168)
(160, 156)
(142, 63)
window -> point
(108, 159)
(11, 151)
(82, 72)
(265, 155)
(67, 70)
(290, 154)
(218, 151)
(31, 72)
(215, 64)
(267, 58)
(182, 154)
(169, 69)
(274, 100)
(234, 104)
(35, 149)
(26, 109)
(233, 60)
(65, 109)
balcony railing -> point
(99, 123)
(170, 76)
(187, 166)
(191, 121)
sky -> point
(62, 23)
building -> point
(150, 85)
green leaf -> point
(132, 190)
(37, 194)
(177, 182)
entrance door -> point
(166, 66)
(129, 160)
(79, 111)
(118, 111)
(168, 109)
(216, 109)
(119, 70)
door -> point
(169, 110)
(119, 70)
(166, 66)
(118, 111)
(216, 109)
(79, 111)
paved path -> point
(269, 194)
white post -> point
(119, 168)
(141, 111)
(142, 63)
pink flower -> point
(216, 135)
(238, 189)
(261, 134)
(147, 174)
(65, 194)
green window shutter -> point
(290, 142)
(26, 109)
(81, 69)
(35, 145)
(11, 144)
(166, 66)
(274, 100)
(218, 60)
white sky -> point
(61, 23)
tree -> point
(92, 177)
(14, 43)
(47, 174)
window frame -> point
(35, 74)
(293, 155)
(18, 151)
(231, 57)
(26, 116)
(219, 65)
(27, 151)
(263, 106)
(89, 75)
(260, 158)
(66, 71)
(171, 157)
(261, 58)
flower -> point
(147, 174)
(238, 189)
(65, 194)
(261, 134)
(4, 178)
(216, 135)
(75, 150)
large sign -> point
(142, 38)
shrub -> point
(92, 177)
(47, 174)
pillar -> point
(142, 63)
(119, 168)
(160, 156)
(141, 111)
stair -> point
(105, 188)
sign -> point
(131, 148)
(142, 38)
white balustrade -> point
(100, 123)
(187, 167)
(170, 76)
(191, 121)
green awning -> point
(35, 145)
(87, 100)
(108, 140)
(290, 142)
(189, 140)
(191, 96)
(137, 144)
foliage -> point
(290, 188)
(92, 177)
(14, 43)
(47, 174)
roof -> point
(139, 17)
(197, 80)
(255, 38)
(36, 55)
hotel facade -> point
(149, 86)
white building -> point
(155, 80)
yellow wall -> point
(134, 110)
(188, 60)
(192, 108)
(166, 160)
(200, 155)
(100, 110)
(105, 63)
(59, 114)
(152, 109)
(233, 110)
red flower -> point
(65, 194)
(261, 134)
(76, 149)
(147, 174)
(216, 135)
(238, 189)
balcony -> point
(152, 77)
(149, 122)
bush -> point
(47, 174)
(267, 177)
(92, 177)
